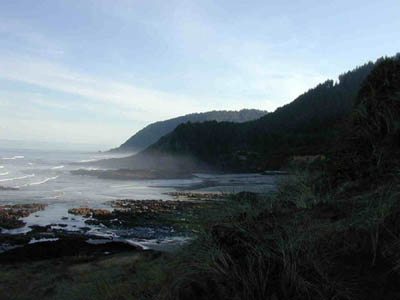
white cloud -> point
(137, 103)
(224, 64)
(124, 101)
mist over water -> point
(45, 177)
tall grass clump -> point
(259, 248)
(294, 243)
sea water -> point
(45, 177)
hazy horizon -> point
(25, 144)
(96, 72)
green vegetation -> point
(370, 143)
(151, 133)
(306, 126)
(123, 276)
(297, 243)
(330, 231)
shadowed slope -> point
(151, 133)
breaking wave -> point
(17, 178)
(87, 160)
(58, 167)
(43, 181)
(3, 174)
(14, 157)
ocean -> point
(45, 177)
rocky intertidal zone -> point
(43, 242)
(152, 206)
(10, 215)
(139, 207)
(139, 219)
(127, 213)
(89, 212)
(196, 196)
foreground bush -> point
(297, 243)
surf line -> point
(17, 178)
(14, 157)
(43, 181)
(58, 167)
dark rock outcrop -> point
(10, 214)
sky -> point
(97, 71)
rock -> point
(8, 223)
(40, 229)
(87, 212)
(152, 206)
(92, 222)
(10, 214)
(79, 211)
(99, 213)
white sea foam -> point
(3, 174)
(55, 197)
(58, 167)
(87, 160)
(34, 241)
(17, 178)
(14, 157)
(43, 181)
(24, 229)
(1, 167)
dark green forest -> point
(306, 126)
(151, 133)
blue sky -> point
(96, 71)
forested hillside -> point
(151, 133)
(330, 231)
(306, 126)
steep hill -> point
(306, 126)
(151, 133)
